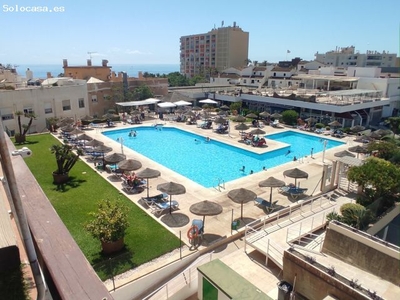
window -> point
(94, 98)
(47, 108)
(6, 114)
(81, 103)
(66, 105)
(28, 110)
(106, 97)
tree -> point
(23, 128)
(236, 106)
(355, 215)
(290, 117)
(177, 79)
(385, 149)
(109, 223)
(394, 123)
(65, 159)
(197, 79)
(247, 61)
(377, 177)
(142, 92)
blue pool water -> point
(207, 162)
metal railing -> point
(257, 231)
(186, 277)
(220, 185)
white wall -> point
(39, 98)
(363, 72)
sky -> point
(148, 32)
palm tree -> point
(65, 159)
(23, 129)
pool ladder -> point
(220, 185)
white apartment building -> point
(348, 56)
(56, 97)
(217, 49)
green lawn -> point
(145, 238)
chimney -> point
(65, 63)
(140, 75)
(104, 62)
(89, 62)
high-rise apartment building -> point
(347, 56)
(215, 50)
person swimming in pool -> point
(132, 133)
(288, 152)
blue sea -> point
(40, 71)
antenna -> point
(90, 54)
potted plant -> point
(20, 137)
(109, 225)
(65, 159)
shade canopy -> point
(182, 103)
(264, 114)
(295, 173)
(138, 103)
(257, 131)
(76, 131)
(252, 116)
(171, 188)
(239, 119)
(271, 182)
(129, 165)
(220, 120)
(65, 122)
(114, 158)
(148, 173)
(276, 116)
(344, 153)
(208, 101)
(67, 128)
(335, 123)
(102, 148)
(358, 149)
(241, 196)
(242, 127)
(84, 137)
(357, 128)
(190, 114)
(94, 143)
(206, 208)
(311, 120)
(166, 104)
(225, 107)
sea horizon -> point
(40, 70)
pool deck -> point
(216, 227)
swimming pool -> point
(208, 162)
